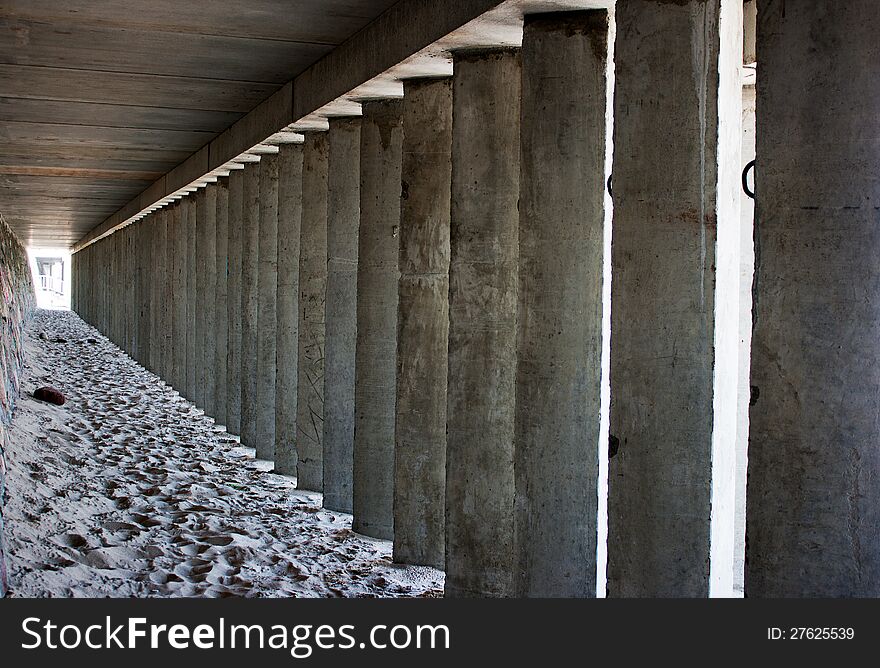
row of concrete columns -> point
(408, 312)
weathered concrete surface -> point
(203, 211)
(423, 324)
(157, 243)
(482, 323)
(561, 256)
(312, 291)
(191, 296)
(178, 320)
(267, 315)
(171, 224)
(814, 462)
(290, 182)
(376, 347)
(208, 299)
(675, 289)
(249, 266)
(221, 306)
(343, 216)
(233, 360)
(143, 290)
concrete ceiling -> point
(99, 98)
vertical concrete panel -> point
(674, 329)
(287, 340)
(208, 300)
(813, 516)
(191, 296)
(233, 359)
(312, 292)
(376, 347)
(249, 267)
(423, 324)
(157, 265)
(343, 216)
(171, 224)
(221, 304)
(144, 254)
(178, 323)
(482, 323)
(267, 312)
(201, 287)
(559, 347)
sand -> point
(129, 490)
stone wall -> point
(18, 301)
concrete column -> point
(289, 226)
(157, 307)
(482, 323)
(423, 324)
(178, 323)
(130, 295)
(561, 262)
(312, 291)
(208, 298)
(249, 266)
(171, 226)
(191, 296)
(343, 216)
(221, 305)
(233, 306)
(144, 282)
(267, 312)
(201, 287)
(376, 348)
(814, 463)
(675, 292)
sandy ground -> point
(129, 490)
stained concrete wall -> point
(482, 323)
(343, 217)
(376, 347)
(312, 292)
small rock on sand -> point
(50, 395)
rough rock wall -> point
(17, 305)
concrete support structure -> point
(208, 344)
(561, 261)
(201, 290)
(343, 216)
(423, 324)
(482, 323)
(221, 305)
(250, 240)
(178, 320)
(312, 292)
(675, 258)
(233, 304)
(376, 346)
(290, 183)
(191, 296)
(143, 290)
(267, 312)
(171, 224)
(814, 465)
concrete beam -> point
(404, 30)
